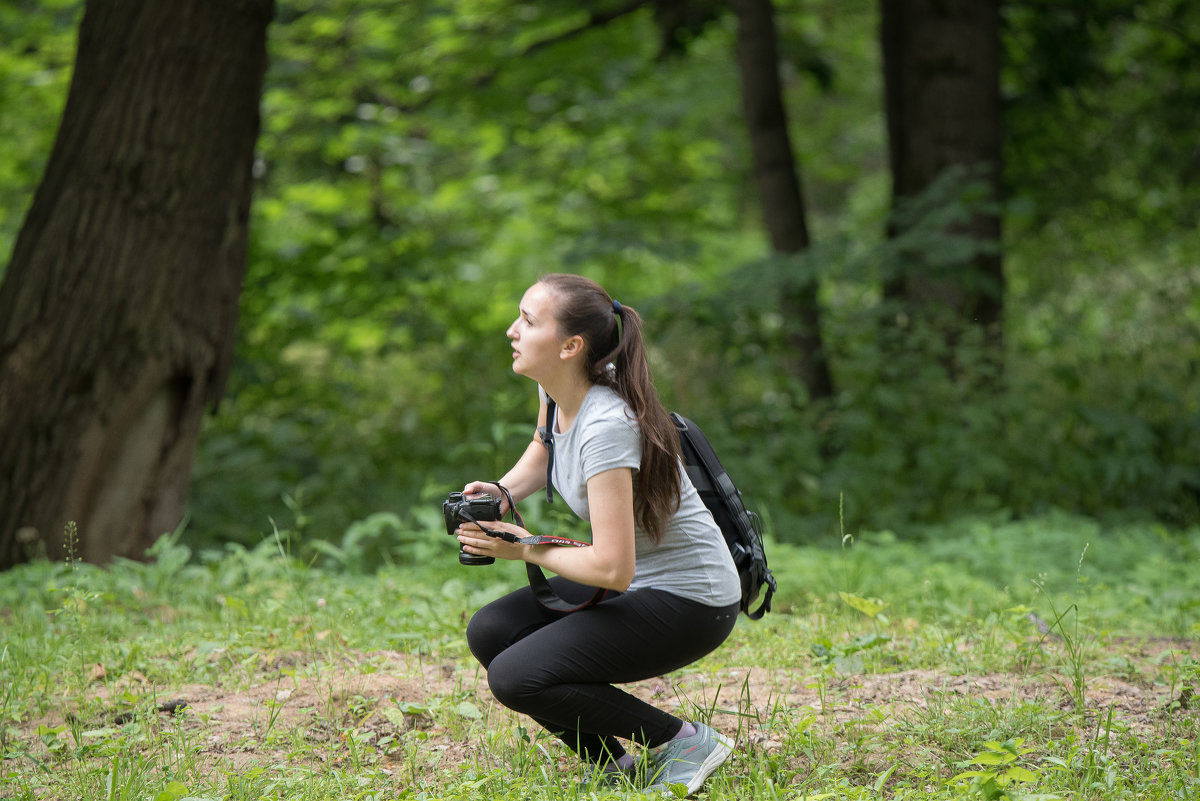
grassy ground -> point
(1051, 658)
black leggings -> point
(559, 668)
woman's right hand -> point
(490, 488)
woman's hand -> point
(479, 543)
(490, 488)
(610, 562)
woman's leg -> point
(560, 672)
(511, 618)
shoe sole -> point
(711, 763)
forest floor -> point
(294, 706)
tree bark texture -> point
(118, 310)
(942, 96)
(777, 176)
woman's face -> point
(536, 341)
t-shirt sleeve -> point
(609, 444)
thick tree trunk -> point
(118, 310)
(778, 181)
(942, 77)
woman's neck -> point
(568, 395)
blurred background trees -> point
(981, 222)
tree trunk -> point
(118, 310)
(778, 181)
(941, 62)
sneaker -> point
(689, 761)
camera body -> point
(460, 508)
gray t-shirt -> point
(691, 560)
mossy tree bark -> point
(118, 309)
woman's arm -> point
(525, 477)
(611, 560)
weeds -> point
(1072, 644)
(1000, 768)
(890, 676)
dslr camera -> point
(460, 508)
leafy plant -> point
(1002, 770)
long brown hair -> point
(616, 357)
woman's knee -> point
(486, 637)
(512, 683)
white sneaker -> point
(691, 760)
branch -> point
(597, 19)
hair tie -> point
(616, 307)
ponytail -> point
(616, 358)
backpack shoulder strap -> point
(704, 466)
(542, 590)
(546, 432)
(741, 528)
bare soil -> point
(386, 694)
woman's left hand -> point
(475, 541)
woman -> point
(673, 589)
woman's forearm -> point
(611, 561)
(583, 565)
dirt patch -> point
(305, 711)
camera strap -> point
(542, 591)
(532, 539)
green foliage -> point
(38, 48)
(1101, 113)
(390, 246)
(1094, 409)
(420, 165)
(1001, 769)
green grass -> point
(1048, 658)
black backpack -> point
(741, 527)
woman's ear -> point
(573, 347)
